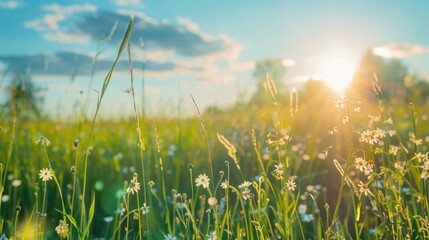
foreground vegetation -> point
(325, 167)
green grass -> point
(271, 171)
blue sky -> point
(207, 49)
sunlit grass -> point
(323, 167)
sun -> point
(338, 71)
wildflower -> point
(414, 140)
(393, 150)
(145, 209)
(244, 185)
(345, 119)
(341, 103)
(212, 201)
(400, 166)
(302, 208)
(388, 121)
(380, 133)
(108, 219)
(170, 237)
(212, 236)
(369, 136)
(224, 184)
(357, 109)
(45, 174)
(360, 163)
(62, 229)
(151, 183)
(16, 183)
(420, 156)
(333, 130)
(134, 186)
(43, 140)
(425, 174)
(279, 168)
(5, 198)
(202, 180)
(246, 194)
(290, 185)
(363, 188)
(391, 132)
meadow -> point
(307, 164)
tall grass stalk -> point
(106, 82)
(139, 134)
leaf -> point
(90, 217)
(73, 222)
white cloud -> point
(50, 22)
(399, 50)
(131, 3)
(9, 4)
(66, 38)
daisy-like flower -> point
(212, 236)
(145, 209)
(245, 185)
(363, 188)
(391, 132)
(170, 237)
(414, 140)
(202, 180)
(279, 168)
(45, 174)
(357, 109)
(44, 141)
(62, 229)
(380, 133)
(290, 185)
(340, 103)
(134, 186)
(420, 156)
(345, 119)
(360, 163)
(425, 174)
(393, 150)
(246, 194)
(333, 130)
(388, 121)
(369, 136)
(224, 184)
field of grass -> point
(321, 167)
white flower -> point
(363, 188)
(290, 185)
(62, 229)
(345, 119)
(369, 136)
(16, 183)
(170, 237)
(43, 140)
(212, 236)
(45, 174)
(212, 201)
(224, 184)
(202, 180)
(360, 163)
(393, 150)
(145, 209)
(134, 186)
(245, 185)
(388, 121)
(414, 140)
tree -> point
(276, 70)
(22, 99)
